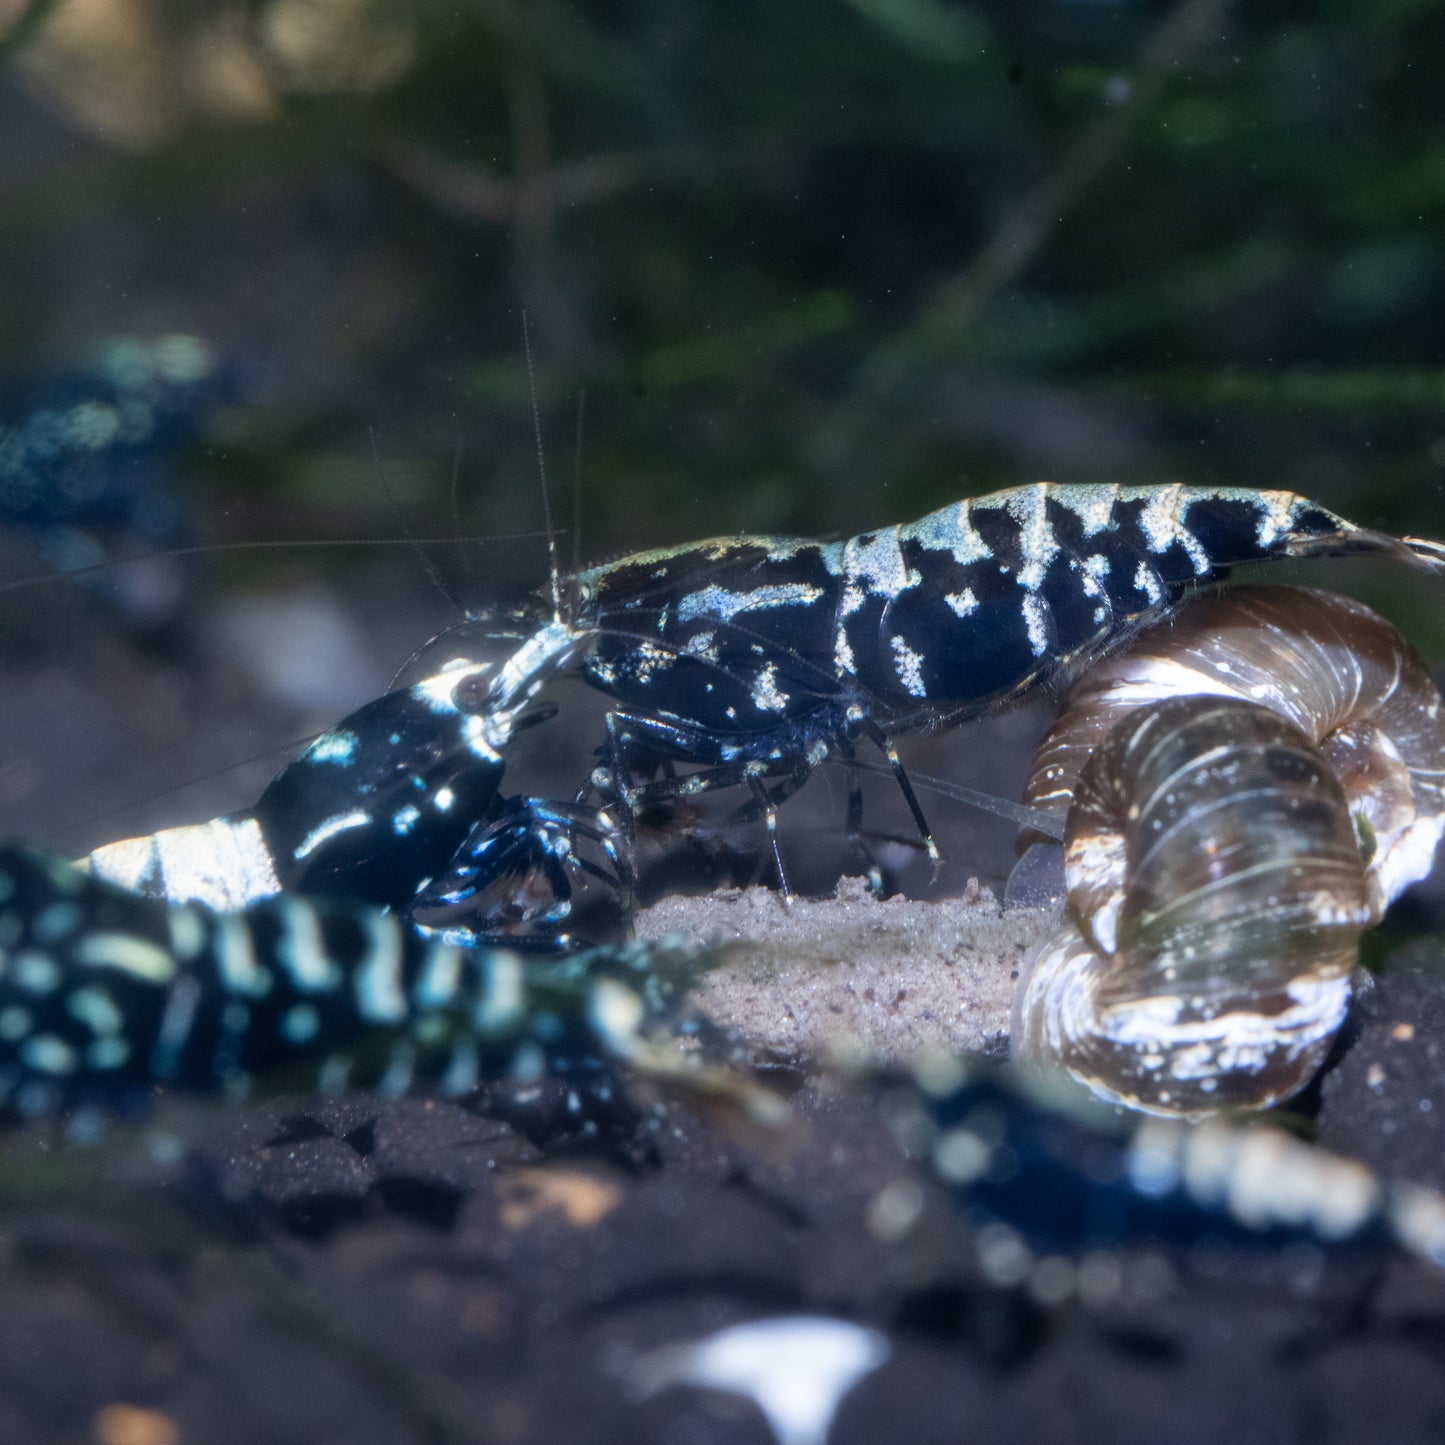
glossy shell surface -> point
(1248, 786)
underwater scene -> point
(721, 723)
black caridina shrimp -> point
(375, 805)
(1048, 1189)
(1248, 786)
(755, 658)
(105, 994)
(84, 456)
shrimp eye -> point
(471, 693)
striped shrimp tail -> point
(105, 995)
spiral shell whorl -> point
(1217, 897)
(1340, 672)
(1213, 849)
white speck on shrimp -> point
(908, 665)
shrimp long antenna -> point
(430, 567)
(206, 549)
(195, 781)
(542, 473)
(456, 507)
(577, 486)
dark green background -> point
(817, 265)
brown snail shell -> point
(1248, 787)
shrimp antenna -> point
(542, 473)
(456, 507)
(577, 486)
(210, 549)
(430, 567)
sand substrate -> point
(896, 977)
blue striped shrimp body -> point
(105, 994)
(374, 806)
(756, 657)
(736, 643)
(1046, 1184)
